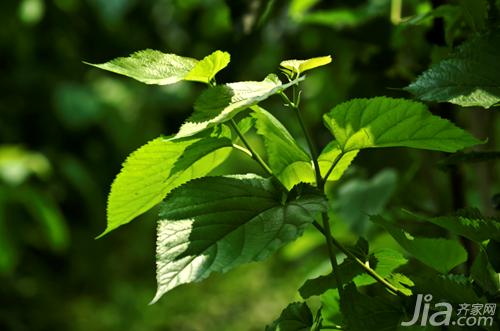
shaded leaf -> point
(359, 198)
(330, 310)
(214, 224)
(387, 122)
(468, 78)
(288, 161)
(468, 223)
(440, 254)
(454, 288)
(483, 273)
(296, 317)
(362, 312)
(383, 261)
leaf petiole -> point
(251, 152)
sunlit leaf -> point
(222, 102)
(156, 168)
(329, 155)
(151, 67)
(205, 70)
(387, 122)
(214, 224)
(300, 66)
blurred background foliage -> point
(65, 128)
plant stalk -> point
(252, 154)
(326, 230)
(366, 267)
(321, 187)
(334, 164)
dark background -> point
(65, 129)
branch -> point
(252, 154)
(362, 264)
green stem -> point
(312, 149)
(321, 187)
(362, 264)
(253, 154)
(331, 253)
(334, 164)
(326, 230)
(396, 7)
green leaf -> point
(330, 153)
(359, 198)
(401, 282)
(151, 67)
(300, 66)
(205, 70)
(330, 307)
(454, 287)
(483, 273)
(362, 312)
(220, 103)
(468, 78)
(156, 168)
(468, 223)
(383, 261)
(348, 269)
(288, 161)
(387, 122)
(440, 254)
(154, 67)
(296, 317)
(214, 224)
